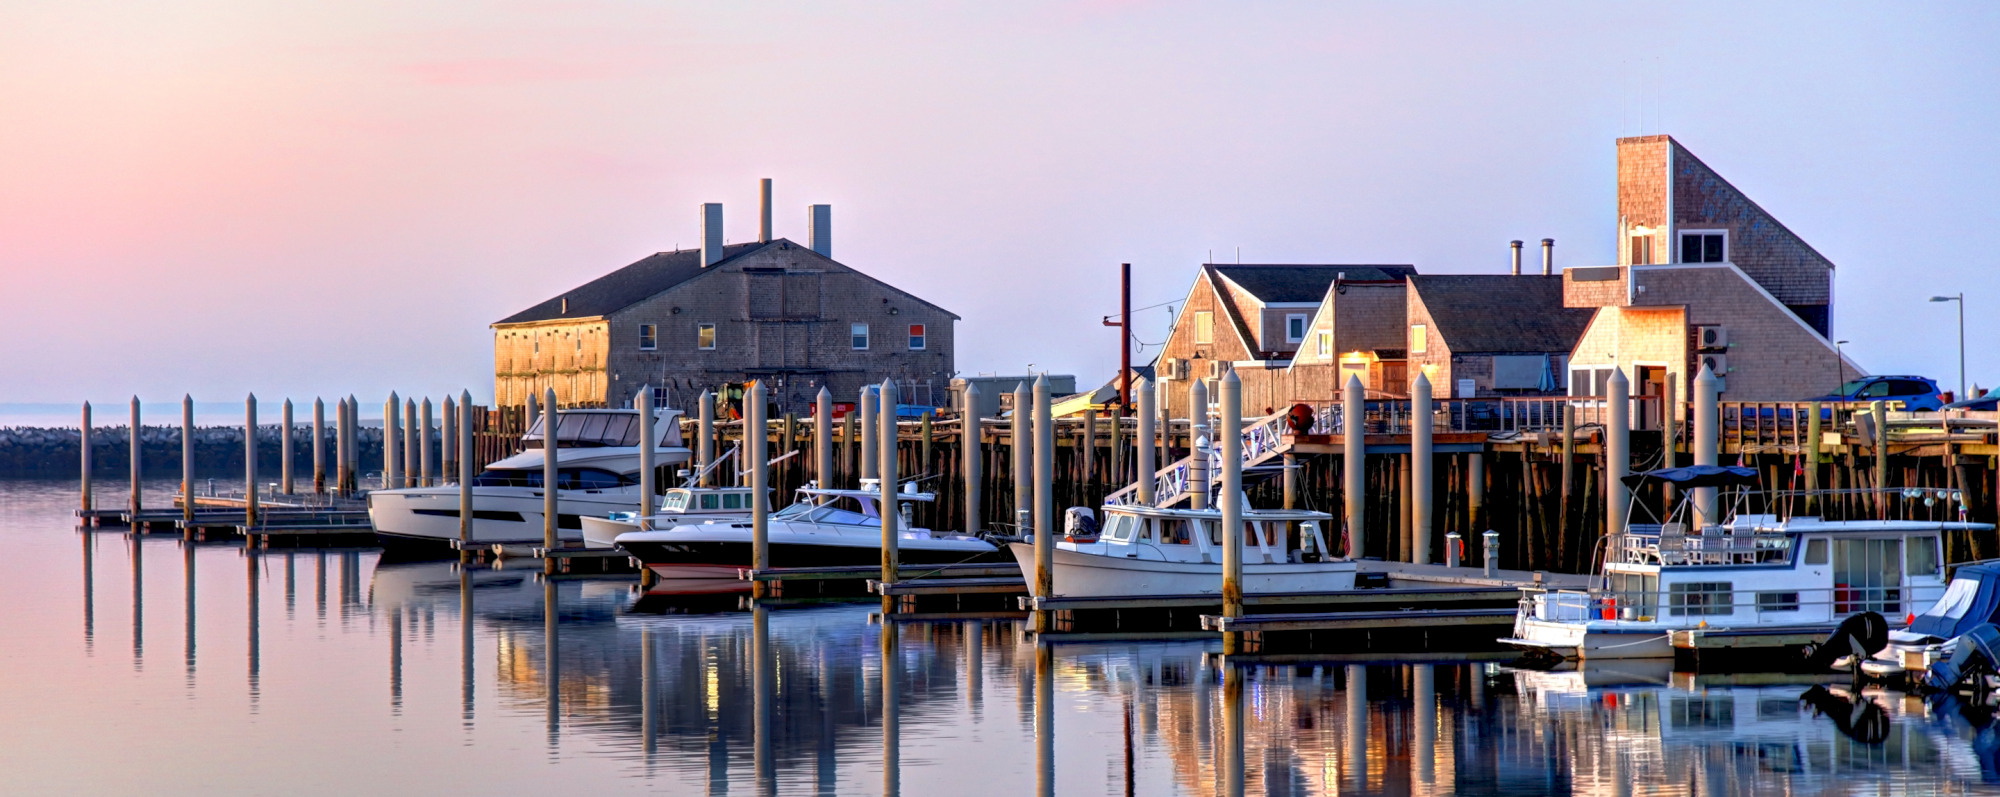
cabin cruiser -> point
(1970, 601)
(681, 506)
(1753, 573)
(825, 527)
(1148, 551)
(597, 460)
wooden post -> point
(1088, 449)
(756, 433)
(413, 468)
(1878, 410)
(1475, 490)
(426, 463)
(187, 458)
(705, 445)
(133, 444)
(1044, 498)
(870, 435)
(1231, 439)
(924, 443)
(319, 446)
(1232, 774)
(250, 459)
(551, 478)
(447, 440)
(285, 448)
(467, 514)
(1354, 439)
(1021, 447)
(1811, 452)
(886, 465)
(969, 445)
(392, 436)
(850, 440)
(1670, 414)
(1117, 478)
(823, 438)
(1199, 444)
(83, 446)
(1617, 454)
(1147, 418)
(1406, 524)
(649, 440)
(342, 445)
(1568, 467)
(1421, 464)
(1705, 442)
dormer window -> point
(1704, 246)
(1295, 328)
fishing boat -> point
(1752, 577)
(824, 527)
(597, 461)
(680, 506)
(1149, 551)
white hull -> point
(1593, 641)
(504, 515)
(603, 531)
(1083, 575)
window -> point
(858, 336)
(649, 337)
(704, 336)
(1326, 345)
(1295, 328)
(1204, 327)
(1419, 335)
(1704, 246)
(711, 501)
(1701, 598)
(1906, 387)
(1816, 551)
(1642, 250)
(1921, 555)
(1777, 601)
(733, 501)
(916, 337)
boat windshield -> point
(588, 430)
(840, 509)
(566, 478)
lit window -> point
(1204, 327)
(1295, 328)
(858, 336)
(1704, 247)
(1419, 336)
(1642, 249)
(649, 336)
(916, 337)
(704, 336)
(1325, 345)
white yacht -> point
(1751, 574)
(681, 506)
(597, 460)
(1145, 550)
(824, 528)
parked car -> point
(1915, 392)
(1986, 403)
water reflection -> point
(625, 692)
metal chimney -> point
(764, 226)
(711, 233)
(1516, 246)
(819, 228)
(1548, 257)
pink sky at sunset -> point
(324, 198)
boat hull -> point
(502, 515)
(1084, 575)
(1588, 641)
(700, 558)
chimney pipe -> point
(819, 228)
(1516, 246)
(1548, 257)
(711, 233)
(764, 226)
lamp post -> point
(1960, 298)
(1840, 366)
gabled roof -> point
(630, 285)
(1501, 312)
(1275, 282)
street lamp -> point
(1840, 363)
(1960, 298)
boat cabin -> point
(604, 429)
(1195, 535)
(853, 507)
(704, 500)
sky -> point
(317, 198)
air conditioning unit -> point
(1711, 337)
(1717, 364)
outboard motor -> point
(1859, 636)
(1080, 524)
(1973, 654)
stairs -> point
(1263, 441)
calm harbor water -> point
(149, 666)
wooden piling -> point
(886, 472)
(1475, 490)
(1877, 410)
(413, 469)
(132, 441)
(1421, 465)
(705, 444)
(392, 459)
(1021, 449)
(426, 463)
(1044, 497)
(551, 510)
(970, 447)
(1088, 449)
(1353, 466)
(823, 438)
(285, 448)
(83, 442)
(871, 436)
(1568, 467)
(756, 433)
(1705, 442)
(466, 513)
(648, 472)
(1199, 442)
(250, 459)
(1146, 442)
(1231, 439)
(1617, 453)
(447, 440)
(1813, 447)
(187, 457)
(319, 446)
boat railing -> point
(1715, 604)
(1671, 544)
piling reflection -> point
(187, 608)
(89, 590)
(138, 557)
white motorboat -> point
(597, 460)
(1970, 601)
(680, 506)
(824, 528)
(1150, 551)
(1750, 576)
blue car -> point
(1915, 392)
(1986, 403)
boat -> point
(824, 527)
(597, 461)
(1145, 551)
(1757, 579)
(1970, 601)
(680, 506)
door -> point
(1652, 379)
(1868, 577)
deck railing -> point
(1718, 608)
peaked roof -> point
(1276, 282)
(1501, 312)
(630, 285)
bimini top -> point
(1697, 476)
(1972, 600)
